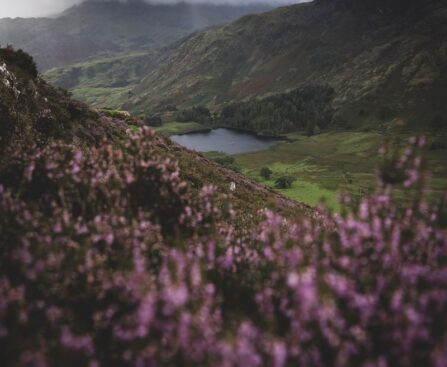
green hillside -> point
(105, 81)
(381, 64)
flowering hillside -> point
(108, 258)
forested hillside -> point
(307, 109)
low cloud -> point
(39, 8)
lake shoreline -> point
(185, 128)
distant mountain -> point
(102, 28)
(382, 62)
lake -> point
(224, 140)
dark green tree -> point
(199, 114)
(266, 173)
(284, 182)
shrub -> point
(225, 160)
(265, 173)
(284, 182)
(228, 162)
(133, 128)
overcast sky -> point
(37, 8)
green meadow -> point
(325, 165)
(175, 128)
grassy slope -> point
(308, 44)
(102, 96)
(321, 164)
(175, 128)
(105, 81)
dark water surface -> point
(224, 140)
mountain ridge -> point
(96, 27)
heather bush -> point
(46, 123)
(108, 259)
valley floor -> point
(325, 165)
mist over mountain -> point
(108, 27)
(40, 8)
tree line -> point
(307, 108)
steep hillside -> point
(98, 27)
(33, 112)
(381, 64)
